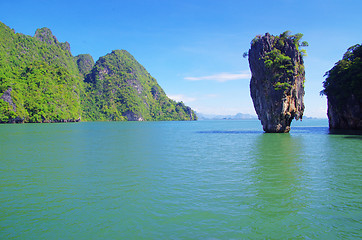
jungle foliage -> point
(45, 83)
(44, 79)
(119, 88)
(344, 80)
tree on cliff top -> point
(345, 78)
(283, 67)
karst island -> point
(277, 82)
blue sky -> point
(194, 47)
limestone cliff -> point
(6, 96)
(348, 117)
(277, 82)
(343, 87)
(46, 35)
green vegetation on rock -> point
(277, 81)
(279, 64)
(345, 78)
(85, 63)
(40, 81)
(41, 77)
(343, 88)
(119, 88)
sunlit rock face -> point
(277, 82)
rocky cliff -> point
(348, 117)
(277, 82)
(343, 88)
(46, 35)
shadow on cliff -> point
(357, 134)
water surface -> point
(178, 180)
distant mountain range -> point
(238, 116)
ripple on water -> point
(176, 180)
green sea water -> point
(179, 180)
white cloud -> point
(221, 77)
(181, 97)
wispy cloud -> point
(212, 95)
(181, 97)
(221, 77)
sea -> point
(179, 180)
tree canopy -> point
(345, 78)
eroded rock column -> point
(277, 82)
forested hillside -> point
(119, 88)
(40, 81)
(40, 78)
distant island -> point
(41, 81)
(238, 116)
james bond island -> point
(277, 82)
(40, 81)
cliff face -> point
(46, 35)
(349, 117)
(277, 83)
(6, 97)
(343, 87)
